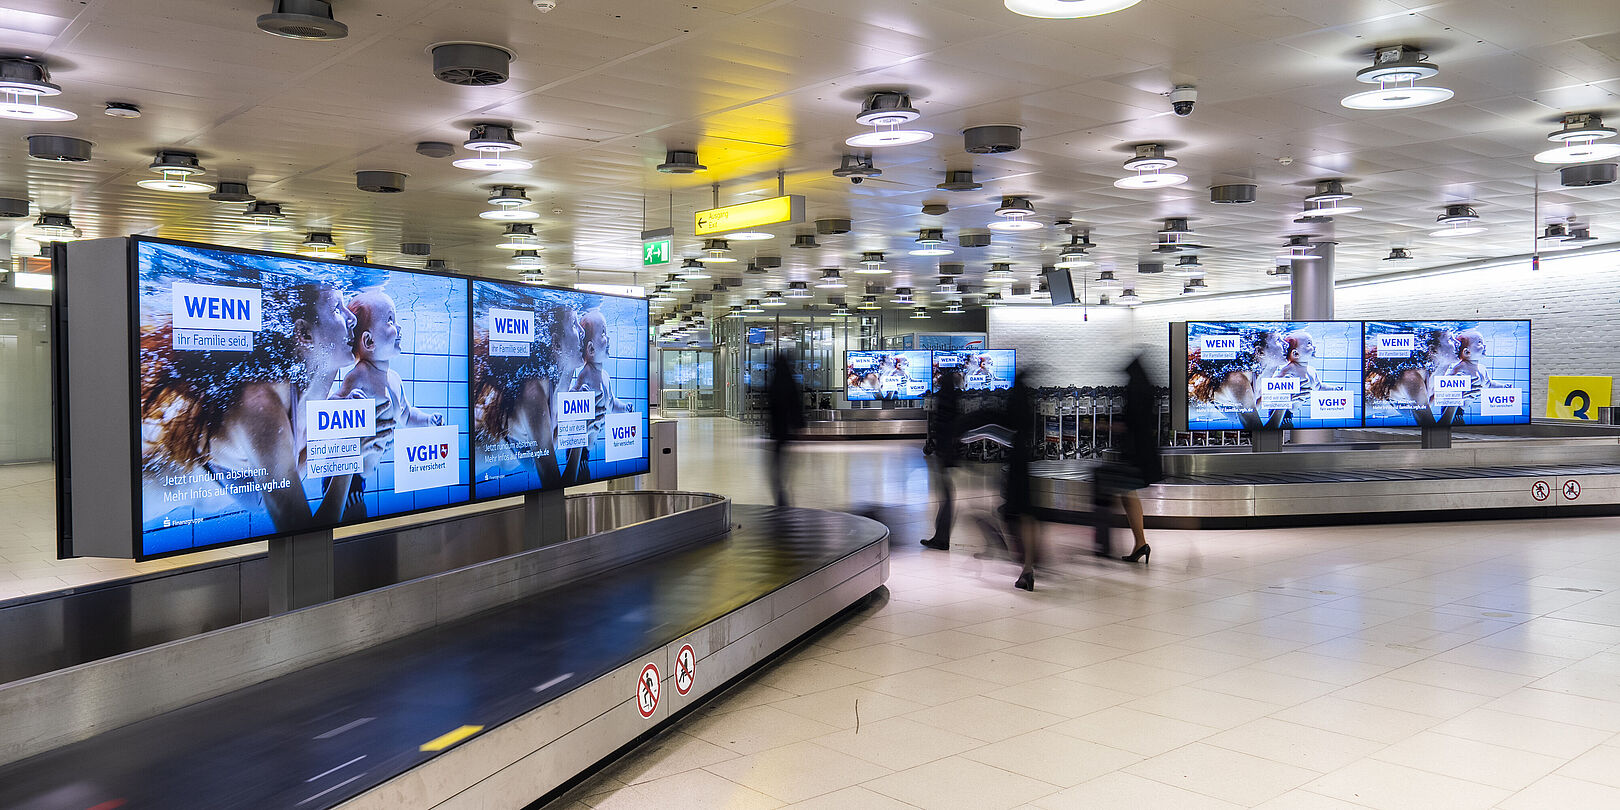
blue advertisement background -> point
(1506, 361)
(432, 365)
(498, 469)
(982, 370)
(1264, 353)
(860, 387)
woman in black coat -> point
(942, 449)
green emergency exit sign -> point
(655, 252)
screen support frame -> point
(300, 571)
(1262, 440)
(1436, 437)
(545, 518)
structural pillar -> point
(300, 571)
(1310, 298)
(545, 519)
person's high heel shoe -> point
(1026, 582)
(1142, 554)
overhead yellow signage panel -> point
(1578, 397)
(756, 214)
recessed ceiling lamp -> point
(1395, 70)
(1554, 237)
(265, 217)
(1074, 253)
(947, 285)
(319, 243)
(692, 269)
(805, 241)
(525, 260)
(872, 265)
(492, 142)
(1149, 166)
(1400, 254)
(1579, 235)
(1108, 283)
(773, 298)
(1017, 214)
(1298, 249)
(22, 82)
(233, 191)
(902, 295)
(831, 279)
(869, 303)
(953, 308)
(717, 251)
(961, 180)
(798, 289)
(1330, 199)
(931, 242)
(681, 161)
(884, 111)
(1579, 136)
(55, 228)
(1128, 298)
(1194, 286)
(1066, 9)
(1460, 220)
(519, 236)
(176, 168)
(1282, 273)
(1177, 236)
(1186, 267)
(919, 314)
(1000, 272)
(302, 19)
(508, 205)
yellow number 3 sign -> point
(1578, 397)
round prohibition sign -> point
(685, 669)
(647, 687)
(1540, 491)
(1572, 490)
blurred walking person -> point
(1023, 532)
(1138, 466)
(943, 449)
(784, 402)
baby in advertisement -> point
(376, 342)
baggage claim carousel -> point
(485, 685)
(1544, 469)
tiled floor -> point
(1415, 667)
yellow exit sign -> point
(774, 211)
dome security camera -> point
(857, 179)
(1182, 99)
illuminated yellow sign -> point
(1578, 397)
(774, 211)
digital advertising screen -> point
(1244, 375)
(1442, 373)
(280, 394)
(559, 388)
(980, 369)
(871, 375)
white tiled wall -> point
(1573, 303)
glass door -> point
(688, 383)
(25, 383)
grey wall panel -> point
(100, 390)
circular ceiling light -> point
(798, 289)
(1460, 220)
(692, 269)
(509, 202)
(1194, 286)
(1074, 253)
(509, 215)
(920, 314)
(931, 242)
(265, 217)
(888, 137)
(1283, 273)
(717, 251)
(28, 108)
(831, 280)
(1107, 282)
(55, 228)
(318, 243)
(492, 142)
(869, 302)
(841, 311)
(1066, 9)
(1017, 214)
(1186, 267)
(872, 265)
(176, 169)
(887, 109)
(661, 296)
(1298, 249)
(492, 162)
(532, 277)
(302, 19)
(1395, 70)
(519, 236)
(751, 236)
(525, 260)
(1579, 235)
(1153, 179)
(1579, 135)
(773, 298)
(1000, 271)
(25, 76)
(1581, 152)
(1128, 297)
(1149, 165)
(1400, 254)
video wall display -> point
(1447, 373)
(979, 369)
(559, 381)
(280, 394)
(871, 376)
(1273, 374)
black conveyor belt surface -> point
(322, 735)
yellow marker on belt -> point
(441, 743)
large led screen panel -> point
(1447, 373)
(280, 394)
(559, 388)
(979, 369)
(1246, 375)
(871, 376)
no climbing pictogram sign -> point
(1540, 491)
(1572, 489)
(647, 690)
(685, 669)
